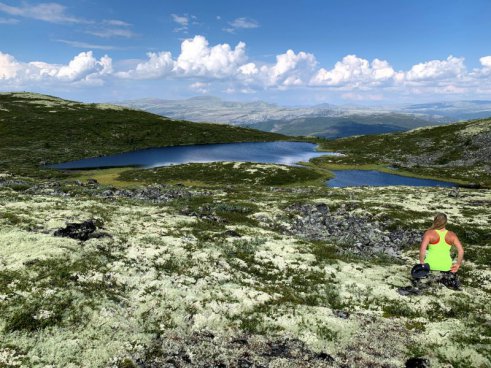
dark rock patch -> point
(232, 234)
(154, 193)
(202, 350)
(362, 234)
(409, 290)
(81, 231)
(341, 314)
(417, 363)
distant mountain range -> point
(325, 120)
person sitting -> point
(436, 244)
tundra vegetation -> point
(228, 264)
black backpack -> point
(420, 271)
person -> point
(436, 244)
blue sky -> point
(288, 52)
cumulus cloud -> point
(158, 65)
(198, 59)
(486, 62)
(290, 69)
(48, 12)
(352, 75)
(356, 71)
(8, 66)
(222, 67)
(437, 69)
(82, 69)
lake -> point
(287, 153)
(350, 178)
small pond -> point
(287, 153)
(351, 178)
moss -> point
(223, 173)
(396, 308)
(417, 326)
(48, 304)
(126, 363)
(11, 218)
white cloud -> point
(158, 65)
(8, 66)
(200, 87)
(244, 23)
(198, 59)
(83, 65)
(182, 20)
(112, 32)
(290, 69)
(248, 69)
(486, 62)
(82, 69)
(241, 23)
(437, 69)
(116, 23)
(223, 67)
(48, 12)
(86, 45)
(354, 70)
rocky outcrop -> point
(204, 349)
(80, 231)
(154, 193)
(354, 232)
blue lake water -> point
(288, 153)
(350, 178)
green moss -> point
(395, 308)
(44, 301)
(126, 363)
(223, 173)
(417, 326)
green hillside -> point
(344, 126)
(36, 129)
(457, 152)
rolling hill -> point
(322, 120)
(37, 129)
(459, 151)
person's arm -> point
(422, 249)
(460, 254)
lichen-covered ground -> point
(202, 281)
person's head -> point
(439, 221)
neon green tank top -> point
(438, 255)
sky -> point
(302, 52)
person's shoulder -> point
(429, 232)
